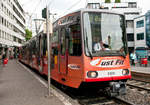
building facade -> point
(142, 35)
(147, 19)
(12, 24)
(139, 32)
(128, 7)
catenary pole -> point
(48, 49)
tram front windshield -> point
(104, 34)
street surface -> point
(19, 87)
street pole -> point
(48, 49)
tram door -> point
(63, 58)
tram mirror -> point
(78, 19)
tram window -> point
(55, 37)
(37, 46)
(30, 51)
(34, 47)
(62, 41)
(75, 40)
(44, 44)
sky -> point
(144, 4)
(61, 7)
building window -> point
(130, 37)
(132, 5)
(93, 5)
(140, 24)
(129, 24)
(14, 39)
(140, 36)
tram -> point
(87, 47)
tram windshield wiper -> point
(90, 54)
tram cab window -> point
(75, 40)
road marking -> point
(59, 96)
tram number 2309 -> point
(111, 73)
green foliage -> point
(107, 1)
(28, 34)
(117, 1)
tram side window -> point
(62, 41)
(44, 45)
(37, 46)
(30, 51)
(55, 41)
(34, 47)
(41, 46)
(75, 40)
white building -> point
(140, 32)
(128, 7)
(12, 24)
(142, 35)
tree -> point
(107, 1)
(28, 34)
(117, 1)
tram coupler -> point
(116, 88)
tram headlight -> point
(92, 74)
(125, 72)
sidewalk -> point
(141, 68)
(19, 87)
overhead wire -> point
(27, 2)
(34, 10)
(71, 7)
(50, 3)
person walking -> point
(4, 59)
(133, 58)
(1, 62)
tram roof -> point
(89, 10)
(98, 10)
(94, 10)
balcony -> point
(114, 5)
(130, 17)
(130, 30)
(128, 10)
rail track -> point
(145, 77)
(139, 85)
(105, 101)
(140, 81)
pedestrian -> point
(4, 59)
(133, 58)
(1, 62)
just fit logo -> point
(107, 63)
